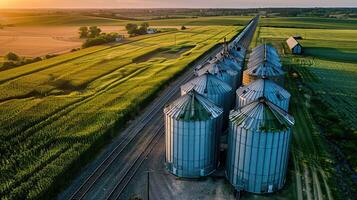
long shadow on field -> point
(167, 53)
(331, 54)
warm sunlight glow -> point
(4, 3)
(170, 3)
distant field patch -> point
(334, 45)
(42, 40)
(167, 53)
(39, 41)
(309, 22)
(55, 19)
(331, 56)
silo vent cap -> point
(262, 99)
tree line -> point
(14, 60)
(134, 29)
(95, 36)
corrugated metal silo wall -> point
(192, 146)
(257, 161)
(232, 80)
(238, 66)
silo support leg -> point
(238, 195)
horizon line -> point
(142, 8)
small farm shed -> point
(294, 45)
(119, 38)
(151, 31)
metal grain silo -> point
(232, 62)
(237, 52)
(263, 88)
(213, 89)
(258, 147)
(263, 69)
(264, 61)
(193, 125)
(223, 72)
(264, 49)
(264, 53)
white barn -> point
(294, 45)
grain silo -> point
(258, 147)
(233, 63)
(269, 60)
(193, 125)
(263, 88)
(264, 48)
(264, 54)
(263, 69)
(264, 61)
(213, 89)
(223, 72)
(237, 52)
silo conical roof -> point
(216, 69)
(231, 62)
(266, 55)
(263, 88)
(207, 83)
(237, 52)
(265, 69)
(193, 107)
(265, 48)
(262, 115)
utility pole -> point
(175, 39)
(148, 185)
(238, 195)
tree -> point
(143, 28)
(12, 56)
(145, 25)
(131, 28)
(94, 31)
(83, 32)
(102, 39)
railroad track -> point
(130, 136)
(125, 180)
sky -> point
(173, 3)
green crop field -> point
(2, 60)
(331, 44)
(75, 19)
(56, 20)
(323, 83)
(309, 22)
(54, 112)
(331, 57)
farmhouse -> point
(294, 45)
